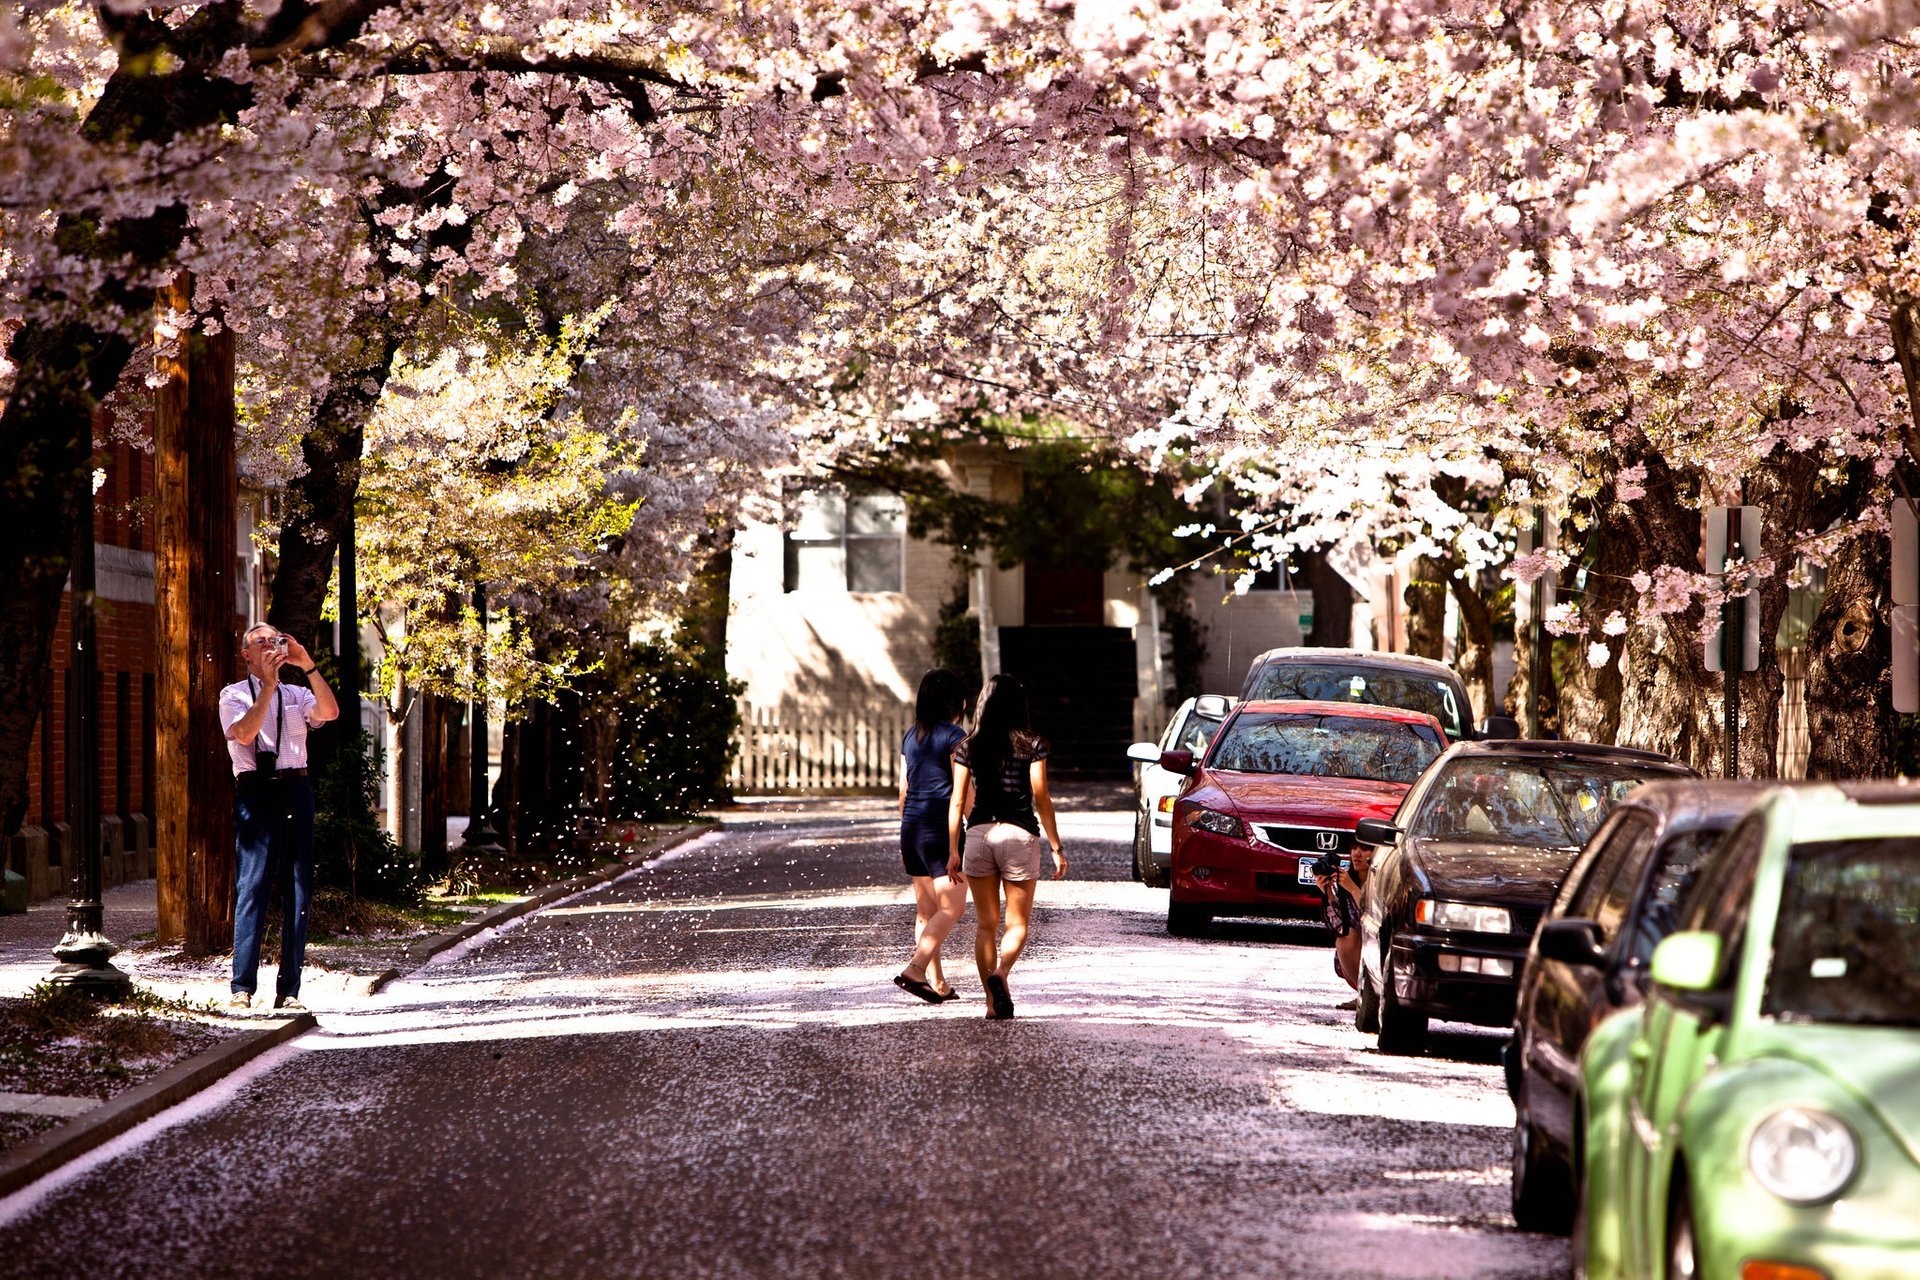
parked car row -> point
(1714, 987)
(1731, 1089)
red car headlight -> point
(1220, 824)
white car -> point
(1191, 729)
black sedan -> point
(1589, 959)
(1476, 852)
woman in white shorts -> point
(1000, 787)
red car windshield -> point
(1326, 746)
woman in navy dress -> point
(926, 792)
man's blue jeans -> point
(273, 849)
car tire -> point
(1139, 845)
(1366, 1007)
(1152, 876)
(1683, 1243)
(1403, 1031)
(1184, 920)
(1542, 1188)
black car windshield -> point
(1544, 803)
(1326, 746)
(1847, 946)
(1362, 682)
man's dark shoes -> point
(999, 997)
(917, 987)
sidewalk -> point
(131, 919)
(338, 973)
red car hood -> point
(1261, 796)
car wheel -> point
(1152, 876)
(1366, 1008)
(1139, 846)
(1542, 1191)
(1683, 1258)
(1184, 920)
(1402, 1030)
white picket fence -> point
(816, 753)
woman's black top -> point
(1005, 794)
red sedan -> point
(1282, 785)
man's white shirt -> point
(298, 704)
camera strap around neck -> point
(279, 716)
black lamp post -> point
(480, 836)
(85, 955)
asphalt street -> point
(703, 1069)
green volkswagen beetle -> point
(1758, 1118)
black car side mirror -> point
(1575, 942)
(1180, 762)
(1375, 832)
(1498, 727)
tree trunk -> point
(320, 500)
(1332, 602)
(1850, 717)
(1426, 599)
(431, 709)
(1474, 662)
(194, 614)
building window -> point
(841, 541)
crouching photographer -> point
(1341, 880)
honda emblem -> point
(1326, 840)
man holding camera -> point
(266, 723)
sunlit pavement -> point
(703, 1069)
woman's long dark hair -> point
(1003, 713)
(940, 698)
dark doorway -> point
(1070, 596)
(1081, 683)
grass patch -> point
(57, 1040)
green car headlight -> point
(1803, 1155)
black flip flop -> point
(949, 994)
(1001, 998)
(916, 987)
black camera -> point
(1326, 864)
(266, 761)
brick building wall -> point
(123, 696)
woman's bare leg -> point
(1346, 957)
(1019, 910)
(986, 924)
(938, 907)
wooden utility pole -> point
(195, 499)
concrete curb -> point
(427, 948)
(35, 1159)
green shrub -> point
(351, 850)
(677, 719)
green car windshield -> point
(1326, 746)
(1361, 682)
(1548, 804)
(1847, 946)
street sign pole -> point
(1905, 534)
(480, 835)
(1733, 537)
